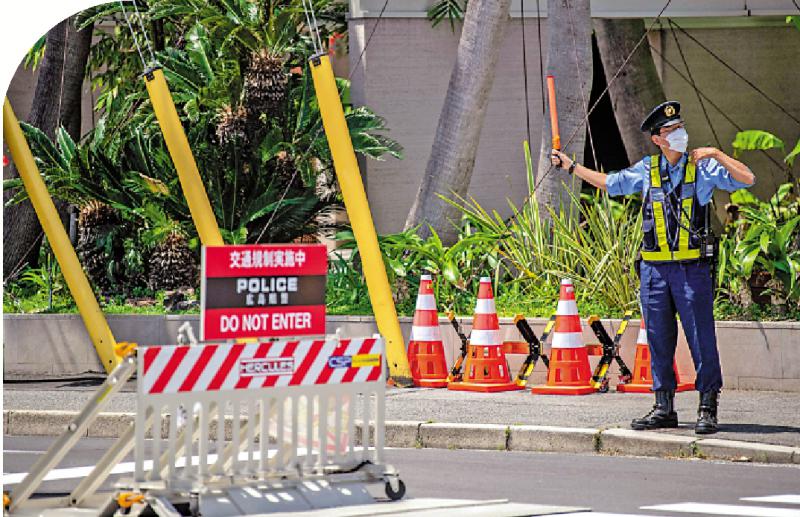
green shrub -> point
(765, 238)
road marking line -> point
(602, 514)
(780, 499)
(71, 473)
(125, 467)
(13, 451)
(725, 509)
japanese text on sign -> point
(263, 291)
(266, 258)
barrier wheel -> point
(401, 490)
(194, 505)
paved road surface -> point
(609, 485)
(752, 416)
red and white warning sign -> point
(266, 290)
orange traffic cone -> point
(642, 380)
(425, 351)
(485, 368)
(569, 372)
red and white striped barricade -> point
(226, 415)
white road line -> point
(602, 514)
(725, 509)
(127, 467)
(780, 499)
(13, 451)
(70, 473)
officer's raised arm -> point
(737, 170)
(622, 183)
(598, 179)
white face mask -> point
(678, 140)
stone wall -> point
(758, 356)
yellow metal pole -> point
(78, 285)
(355, 201)
(182, 157)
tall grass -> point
(593, 240)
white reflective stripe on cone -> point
(484, 337)
(568, 340)
(426, 302)
(425, 277)
(426, 334)
(485, 306)
(642, 340)
(567, 308)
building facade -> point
(404, 73)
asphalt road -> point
(751, 416)
(604, 483)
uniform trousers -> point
(685, 288)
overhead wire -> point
(525, 71)
(277, 207)
(588, 112)
(710, 102)
(584, 102)
(694, 86)
(16, 270)
(708, 121)
(585, 120)
(313, 28)
(316, 42)
(369, 38)
(133, 34)
(736, 72)
(541, 58)
(144, 33)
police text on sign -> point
(263, 291)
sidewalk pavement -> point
(442, 418)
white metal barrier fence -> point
(291, 406)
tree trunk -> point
(452, 158)
(21, 228)
(77, 55)
(638, 88)
(569, 61)
(159, 41)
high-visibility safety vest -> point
(672, 223)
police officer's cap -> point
(665, 114)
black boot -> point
(662, 415)
(707, 413)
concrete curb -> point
(405, 434)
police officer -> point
(675, 274)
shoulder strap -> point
(655, 171)
(690, 174)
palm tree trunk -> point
(452, 158)
(635, 92)
(569, 60)
(21, 229)
(76, 57)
